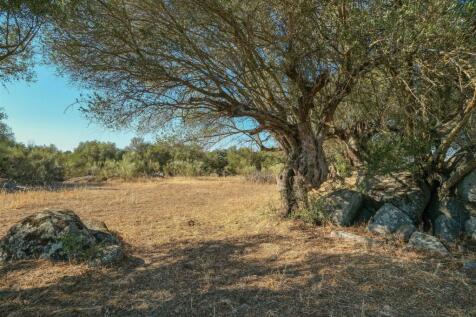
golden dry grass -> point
(212, 247)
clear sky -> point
(39, 113)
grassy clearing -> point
(212, 247)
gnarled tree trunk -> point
(306, 168)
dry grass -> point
(211, 247)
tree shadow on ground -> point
(226, 278)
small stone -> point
(351, 237)
(469, 265)
(424, 242)
(404, 232)
(388, 219)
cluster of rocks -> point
(395, 205)
(60, 235)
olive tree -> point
(283, 67)
(20, 22)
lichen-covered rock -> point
(107, 255)
(470, 209)
(467, 187)
(55, 235)
(446, 228)
(424, 242)
(388, 219)
(470, 228)
(404, 232)
(401, 190)
(454, 209)
(342, 206)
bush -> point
(315, 214)
(184, 168)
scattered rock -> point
(342, 206)
(9, 186)
(388, 219)
(404, 232)
(470, 227)
(424, 242)
(467, 187)
(352, 237)
(59, 235)
(401, 190)
(446, 228)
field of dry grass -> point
(212, 247)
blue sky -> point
(39, 113)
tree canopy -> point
(304, 72)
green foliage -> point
(390, 152)
(315, 214)
(184, 168)
(41, 165)
(31, 165)
(74, 246)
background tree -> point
(286, 68)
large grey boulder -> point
(59, 235)
(447, 229)
(448, 216)
(424, 242)
(470, 228)
(342, 206)
(454, 209)
(401, 190)
(467, 188)
(388, 219)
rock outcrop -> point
(470, 228)
(401, 190)
(467, 188)
(60, 235)
(388, 219)
(342, 206)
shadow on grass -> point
(226, 278)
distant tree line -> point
(41, 165)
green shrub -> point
(184, 168)
(315, 214)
